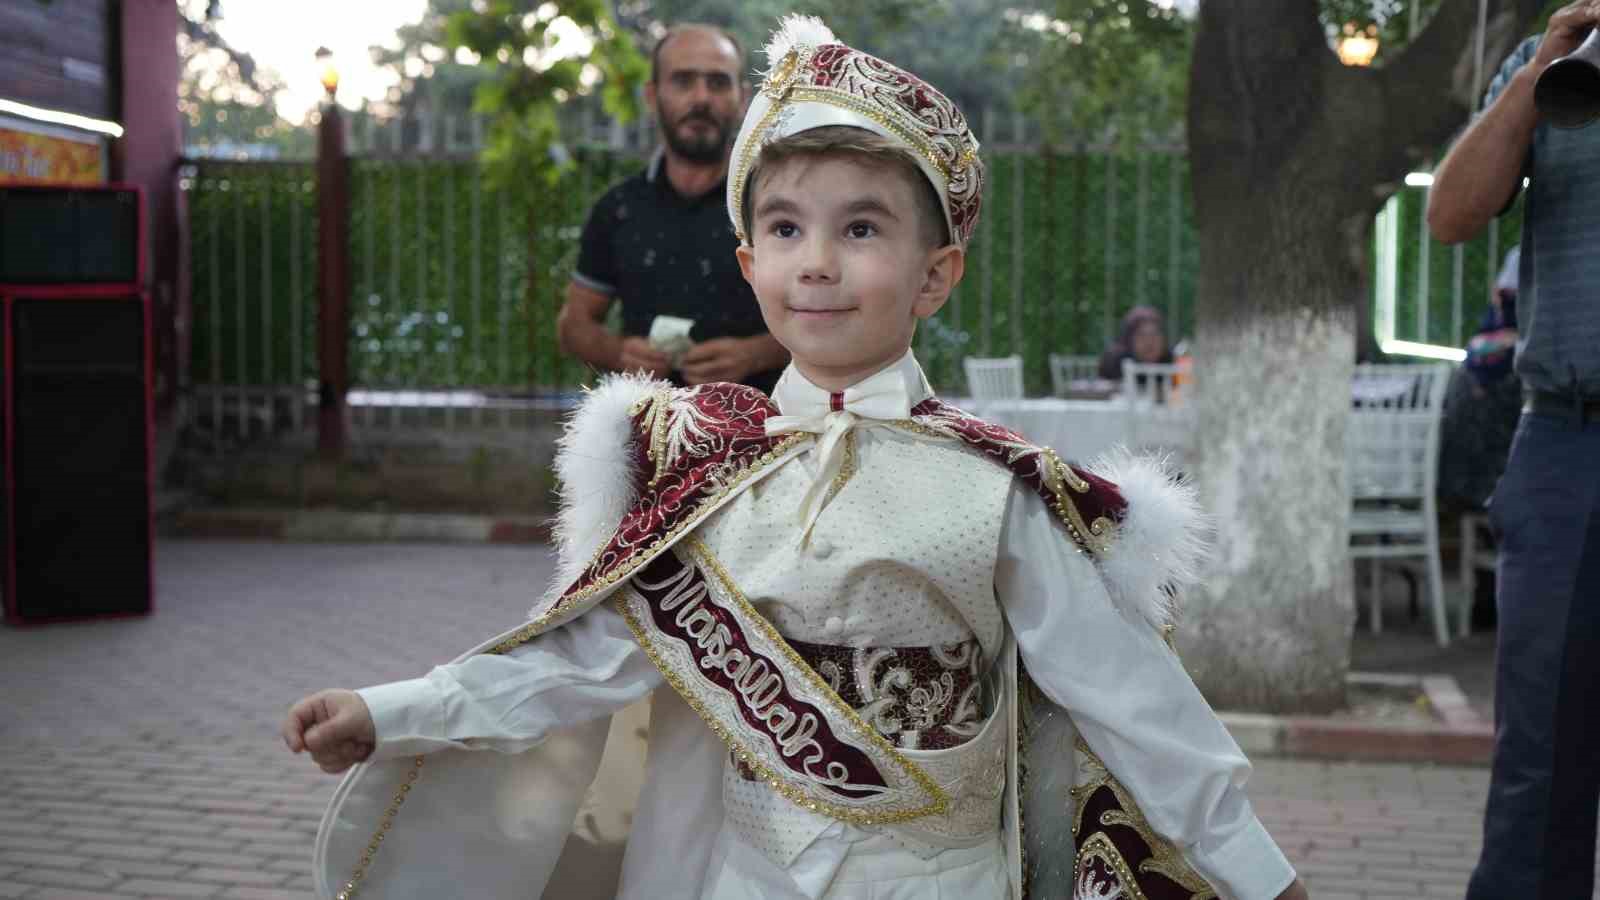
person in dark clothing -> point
(1481, 407)
(1544, 787)
(660, 242)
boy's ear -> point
(747, 263)
(942, 273)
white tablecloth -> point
(1081, 430)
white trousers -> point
(845, 863)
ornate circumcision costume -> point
(892, 650)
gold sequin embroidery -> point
(700, 554)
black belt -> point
(1578, 407)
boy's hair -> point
(854, 143)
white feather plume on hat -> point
(795, 30)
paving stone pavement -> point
(139, 758)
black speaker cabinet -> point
(71, 235)
(78, 444)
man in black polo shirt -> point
(660, 242)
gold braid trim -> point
(626, 568)
(847, 468)
(1099, 847)
(1094, 536)
(655, 423)
(544, 622)
(1165, 858)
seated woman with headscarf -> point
(1143, 339)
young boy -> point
(835, 585)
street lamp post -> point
(333, 269)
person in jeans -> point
(1539, 827)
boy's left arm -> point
(1134, 705)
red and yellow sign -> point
(33, 158)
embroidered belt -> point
(919, 698)
(972, 771)
(775, 712)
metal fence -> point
(456, 286)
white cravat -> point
(878, 400)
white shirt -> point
(1127, 693)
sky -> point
(284, 35)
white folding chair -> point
(990, 379)
(1066, 368)
(1150, 383)
(1157, 420)
(1392, 457)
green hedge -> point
(440, 268)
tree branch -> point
(201, 32)
(1439, 65)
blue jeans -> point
(1539, 827)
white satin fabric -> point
(876, 401)
(1127, 693)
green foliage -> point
(1121, 67)
(957, 45)
(1102, 69)
(453, 283)
(535, 65)
(456, 284)
(252, 233)
(430, 77)
(751, 21)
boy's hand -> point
(335, 725)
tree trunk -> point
(1284, 157)
(1292, 154)
(1271, 629)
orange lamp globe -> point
(330, 72)
(1356, 47)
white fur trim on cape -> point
(1161, 546)
(595, 469)
(796, 31)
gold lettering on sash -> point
(757, 685)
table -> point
(1081, 430)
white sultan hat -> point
(812, 81)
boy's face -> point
(839, 266)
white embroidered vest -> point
(903, 555)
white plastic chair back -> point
(1065, 369)
(990, 379)
(1392, 445)
(1148, 383)
(1392, 457)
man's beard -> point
(709, 148)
